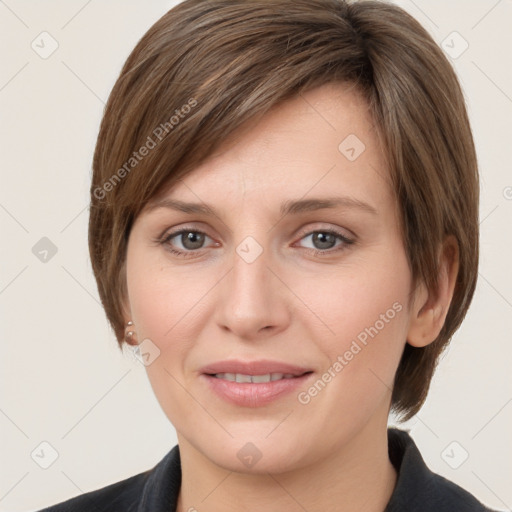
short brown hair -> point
(206, 67)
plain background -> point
(65, 382)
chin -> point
(253, 454)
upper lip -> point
(260, 367)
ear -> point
(429, 310)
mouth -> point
(255, 379)
(254, 383)
(276, 370)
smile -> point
(240, 377)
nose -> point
(253, 301)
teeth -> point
(240, 377)
(261, 378)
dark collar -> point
(417, 488)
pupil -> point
(192, 240)
(325, 240)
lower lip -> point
(247, 394)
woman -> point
(284, 222)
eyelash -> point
(165, 240)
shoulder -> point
(420, 489)
(117, 496)
(155, 489)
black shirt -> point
(156, 490)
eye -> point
(324, 241)
(187, 241)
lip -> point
(246, 394)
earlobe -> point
(429, 310)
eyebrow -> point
(290, 207)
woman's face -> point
(278, 277)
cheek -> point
(162, 300)
(162, 307)
(364, 323)
(350, 300)
(168, 308)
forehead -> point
(321, 142)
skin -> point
(291, 304)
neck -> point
(355, 477)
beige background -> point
(63, 379)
